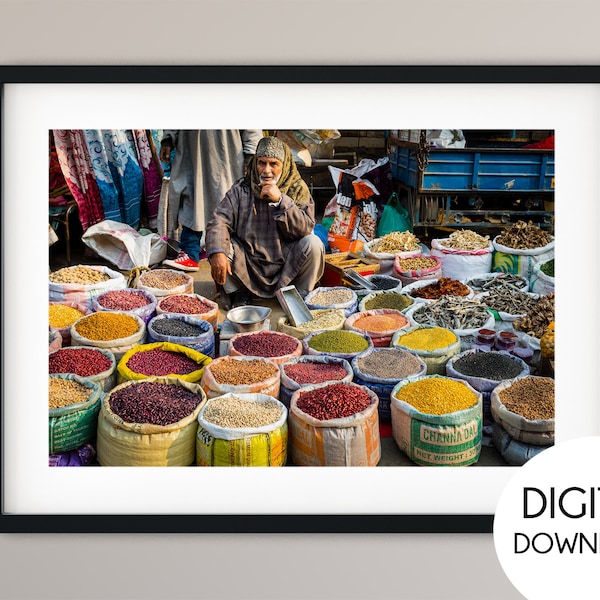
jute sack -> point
(120, 443)
(346, 442)
(243, 446)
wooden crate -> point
(337, 263)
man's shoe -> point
(182, 262)
(241, 299)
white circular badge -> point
(547, 523)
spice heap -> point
(488, 365)
(508, 300)
(536, 321)
(163, 279)
(304, 373)
(230, 371)
(389, 364)
(265, 344)
(79, 274)
(395, 242)
(157, 362)
(84, 362)
(123, 300)
(338, 342)
(61, 315)
(524, 236)
(232, 412)
(427, 339)
(106, 326)
(64, 392)
(378, 323)
(184, 304)
(452, 312)
(416, 264)
(466, 240)
(444, 286)
(530, 397)
(334, 401)
(437, 395)
(176, 328)
(388, 300)
(152, 402)
(330, 297)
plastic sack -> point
(105, 379)
(185, 287)
(204, 342)
(446, 138)
(520, 262)
(541, 283)
(463, 264)
(145, 312)
(297, 351)
(513, 452)
(349, 307)
(123, 246)
(394, 217)
(55, 340)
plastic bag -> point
(394, 217)
(123, 246)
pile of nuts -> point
(79, 274)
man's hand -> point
(220, 267)
(269, 191)
(165, 153)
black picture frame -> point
(312, 74)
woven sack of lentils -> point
(513, 452)
(464, 254)
(379, 324)
(80, 283)
(323, 320)
(334, 425)
(184, 330)
(165, 282)
(73, 405)
(149, 423)
(127, 301)
(311, 370)
(193, 305)
(62, 315)
(524, 407)
(92, 364)
(416, 268)
(336, 297)
(241, 375)
(54, 339)
(437, 421)
(339, 344)
(242, 430)
(385, 299)
(279, 347)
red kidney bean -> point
(161, 362)
(84, 362)
(153, 402)
(265, 344)
(334, 401)
(303, 373)
(123, 300)
(188, 305)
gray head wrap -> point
(271, 147)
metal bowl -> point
(248, 318)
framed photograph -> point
(36, 100)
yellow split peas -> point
(61, 315)
(437, 396)
(427, 338)
(107, 326)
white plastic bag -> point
(123, 246)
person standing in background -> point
(206, 163)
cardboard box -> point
(337, 263)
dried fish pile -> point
(394, 242)
(524, 236)
(502, 280)
(535, 322)
(508, 300)
(466, 240)
(452, 312)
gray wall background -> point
(173, 567)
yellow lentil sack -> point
(211, 315)
(72, 420)
(129, 444)
(434, 345)
(380, 324)
(437, 421)
(524, 407)
(125, 373)
(61, 315)
(333, 298)
(323, 320)
(241, 375)
(80, 283)
(351, 441)
(165, 282)
(54, 340)
(242, 430)
(110, 331)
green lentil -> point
(339, 341)
(389, 300)
(427, 339)
(437, 395)
(107, 326)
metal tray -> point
(293, 305)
